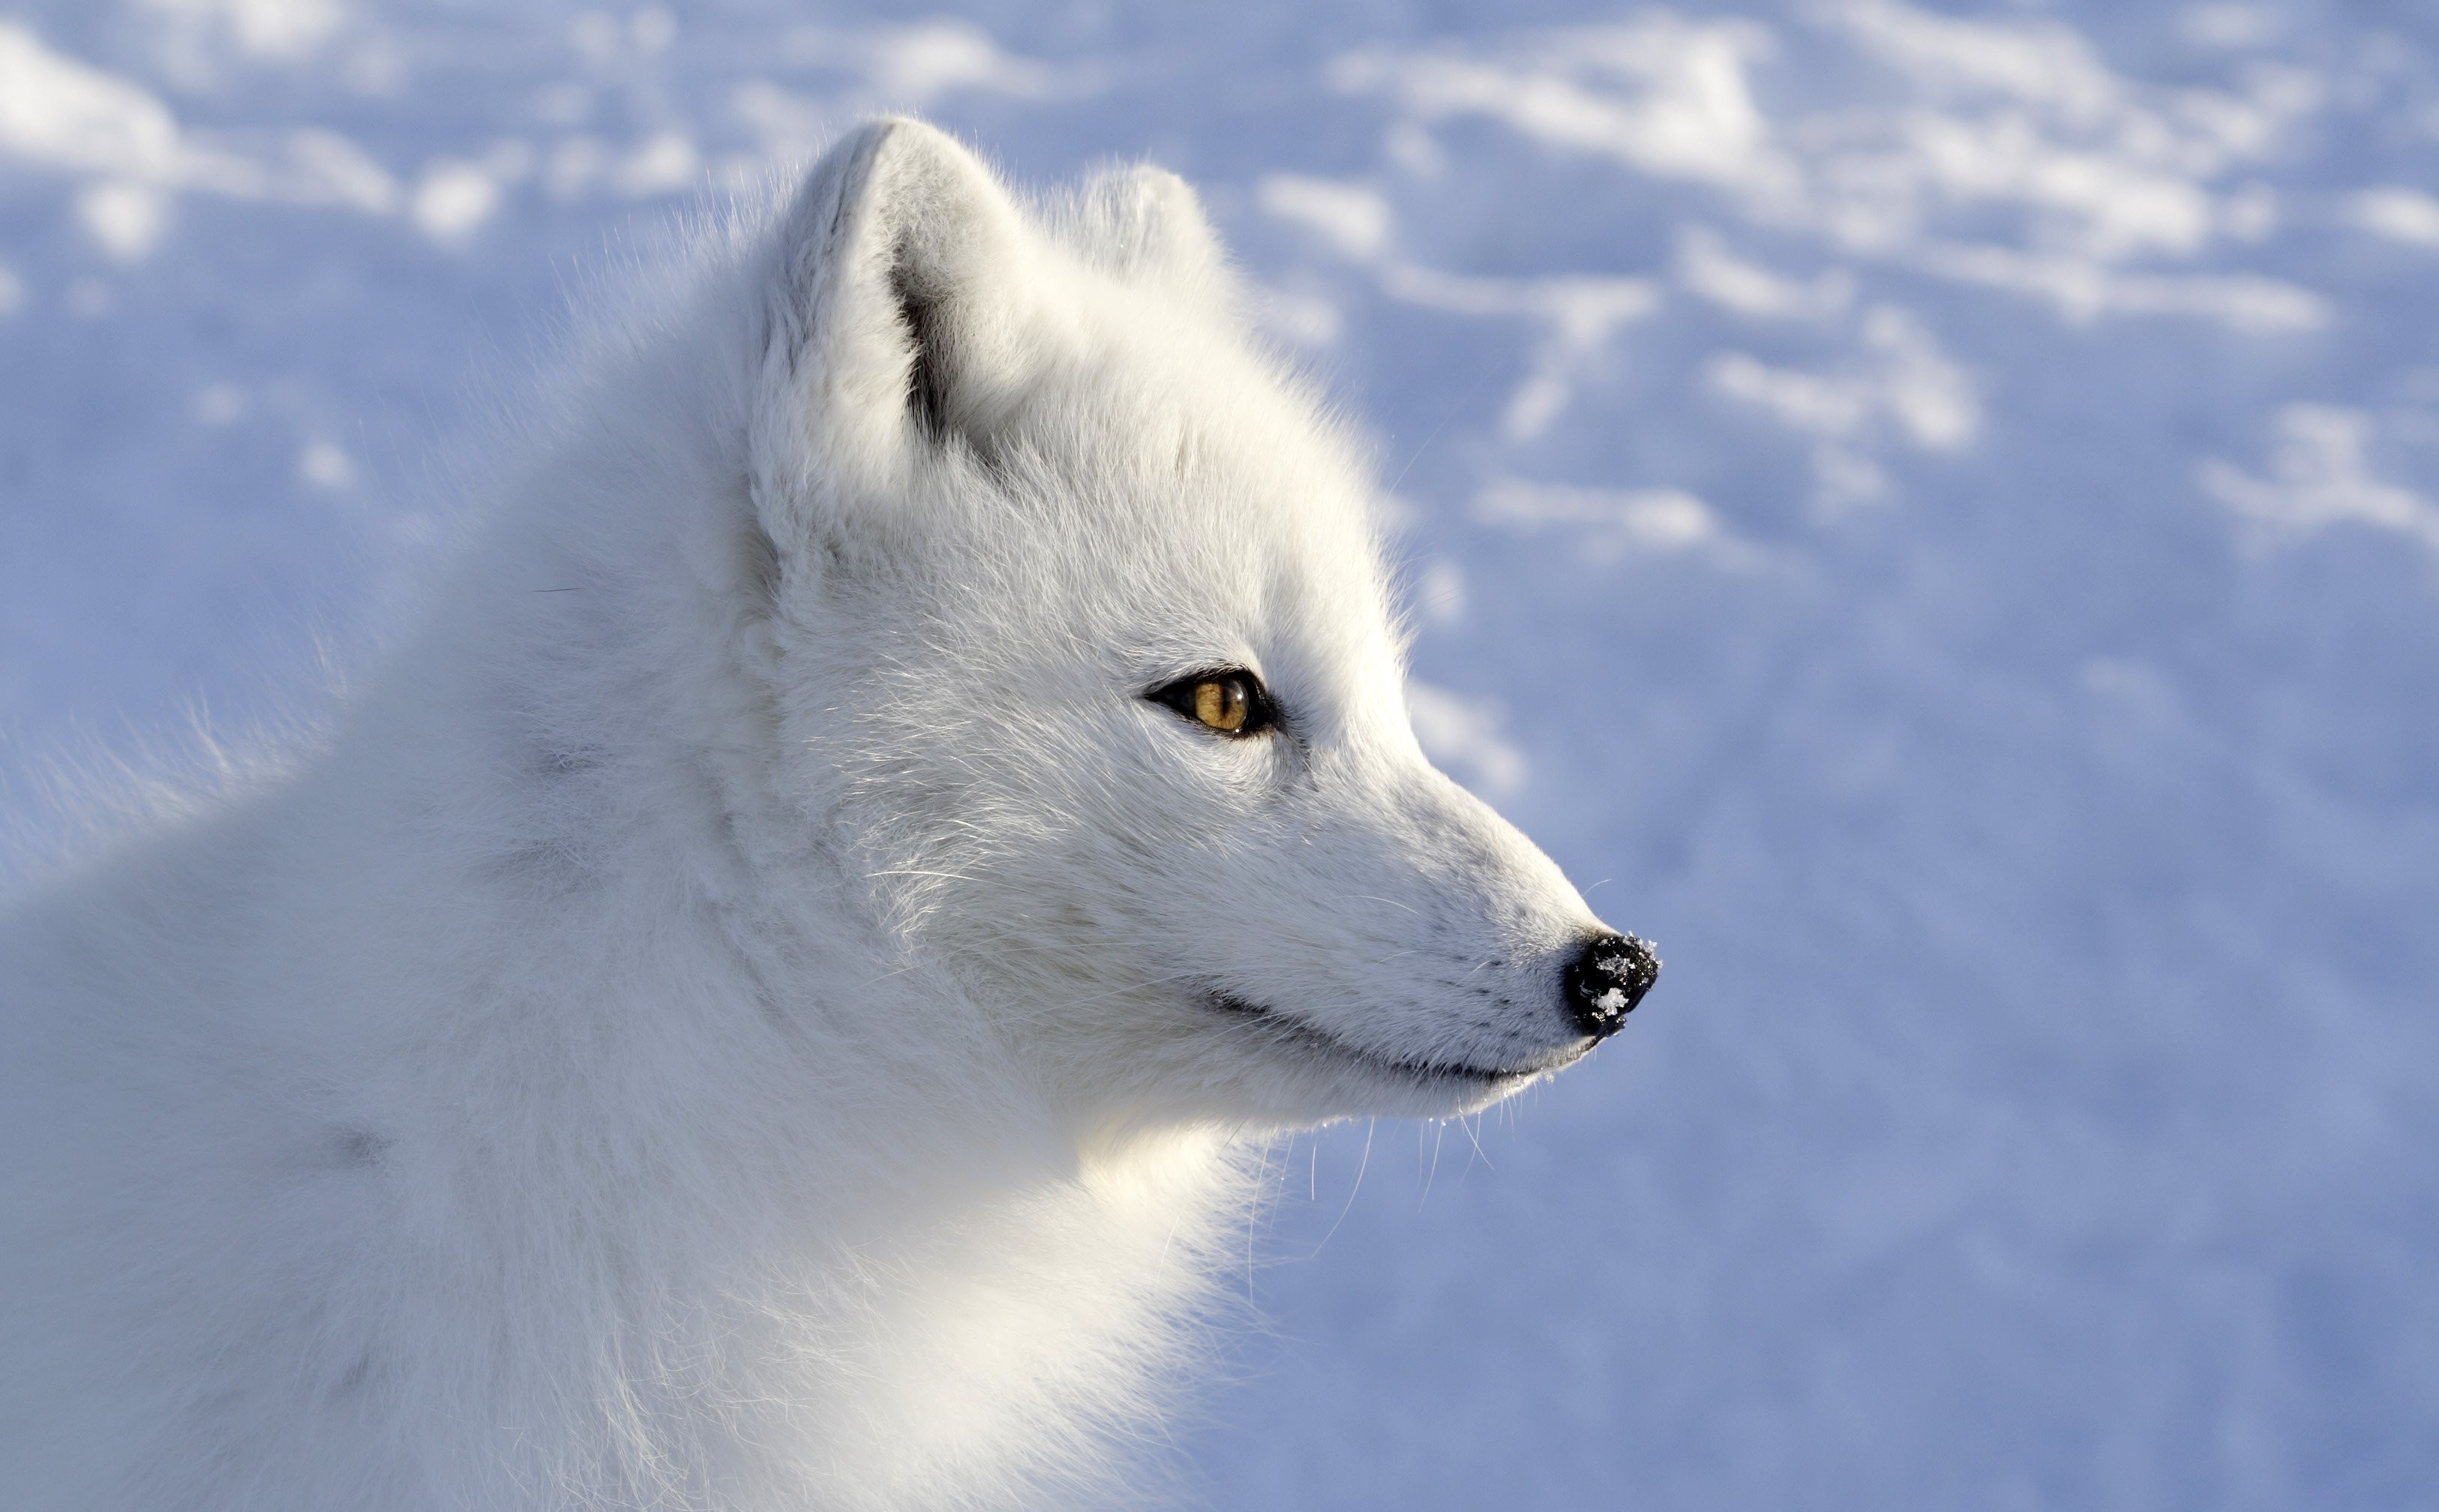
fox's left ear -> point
(905, 315)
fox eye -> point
(1232, 701)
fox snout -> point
(1608, 977)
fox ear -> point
(904, 315)
(1144, 224)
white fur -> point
(729, 1015)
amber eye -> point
(1231, 702)
(1220, 703)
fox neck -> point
(643, 1074)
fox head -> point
(1085, 675)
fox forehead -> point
(1185, 494)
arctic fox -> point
(753, 1004)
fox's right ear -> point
(903, 317)
(1145, 223)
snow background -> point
(1935, 511)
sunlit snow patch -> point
(1663, 95)
(1612, 523)
(56, 113)
(126, 218)
(1355, 220)
(2319, 477)
(2398, 213)
(453, 200)
(1972, 125)
(1709, 268)
(61, 115)
(1904, 386)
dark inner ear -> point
(918, 309)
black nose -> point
(1606, 982)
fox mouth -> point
(1294, 1031)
